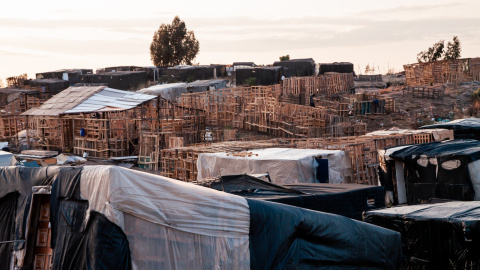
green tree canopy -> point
(437, 51)
(453, 49)
(285, 57)
(173, 45)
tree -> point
(437, 51)
(285, 57)
(433, 53)
(173, 45)
(453, 49)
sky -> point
(39, 36)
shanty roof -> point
(89, 99)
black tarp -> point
(468, 128)
(21, 180)
(98, 244)
(122, 80)
(8, 207)
(423, 182)
(436, 236)
(15, 199)
(263, 75)
(341, 67)
(298, 67)
(348, 200)
(286, 237)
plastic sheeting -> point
(286, 237)
(429, 171)
(284, 165)
(17, 180)
(468, 128)
(192, 224)
(347, 200)
(435, 236)
(8, 205)
(6, 159)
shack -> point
(445, 170)
(284, 165)
(298, 67)
(434, 236)
(468, 128)
(108, 217)
(338, 67)
(262, 75)
(123, 80)
(52, 85)
(443, 71)
(105, 122)
(73, 76)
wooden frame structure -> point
(445, 71)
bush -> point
(252, 81)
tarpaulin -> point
(96, 243)
(348, 200)
(440, 170)
(286, 237)
(170, 224)
(468, 128)
(19, 181)
(8, 205)
(284, 165)
(435, 236)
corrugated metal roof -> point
(86, 99)
(65, 100)
(111, 99)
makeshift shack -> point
(73, 76)
(262, 75)
(468, 128)
(123, 80)
(347, 200)
(339, 67)
(284, 165)
(108, 217)
(298, 67)
(445, 170)
(434, 236)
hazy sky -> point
(39, 36)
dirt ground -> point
(413, 112)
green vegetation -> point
(437, 51)
(173, 45)
(252, 81)
(284, 58)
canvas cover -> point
(285, 165)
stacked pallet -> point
(326, 84)
(181, 163)
(363, 150)
(445, 71)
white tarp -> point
(6, 159)
(285, 165)
(183, 226)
